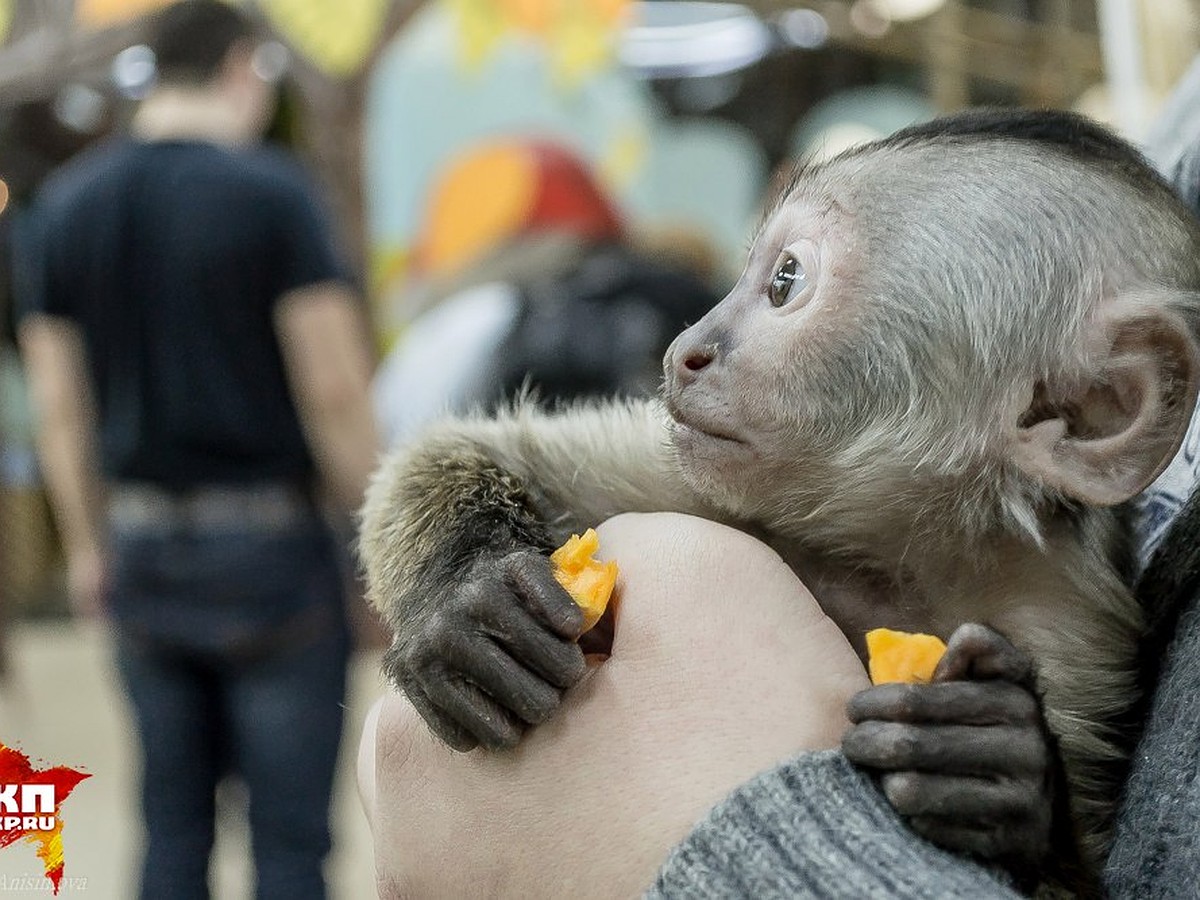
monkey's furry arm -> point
(455, 532)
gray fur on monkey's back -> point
(981, 259)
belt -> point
(272, 506)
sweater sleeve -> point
(815, 827)
(1156, 849)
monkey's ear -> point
(1104, 441)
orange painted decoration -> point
(505, 188)
(482, 199)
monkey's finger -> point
(473, 711)
(531, 578)
(987, 842)
(975, 651)
(558, 660)
(443, 727)
(963, 799)
(952, 749)
(516, 688)
(952, 702)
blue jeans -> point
(232, 646)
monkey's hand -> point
(967, 758)
(493, 654)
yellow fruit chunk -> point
(901, 656)
(588, 581)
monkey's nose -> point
(698, 357)
(687, 358)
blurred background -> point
(437, 132)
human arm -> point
(56, 365)
(325, 349)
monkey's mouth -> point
(697, 425)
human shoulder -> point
(91, 170)
(276, 171)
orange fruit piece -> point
(589, 581)
(902, 656)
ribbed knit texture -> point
(815, 827)
(1156, 852)
(1157, 849)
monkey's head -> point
(967, 325)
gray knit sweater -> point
(814, 827)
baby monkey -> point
(953, 354)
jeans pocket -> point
(214, 590)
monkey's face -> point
(934, 331)
(767, 383)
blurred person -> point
(526, 276)
(200, 368)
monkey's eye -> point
(789, 278)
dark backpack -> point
(598, 329)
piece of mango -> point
(902, 656)
(589, 581)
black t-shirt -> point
(170, 256)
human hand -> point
(722, 664)
(493, 654)
(87, 582)
(966, 758)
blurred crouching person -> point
(201, 370)
(526, 277)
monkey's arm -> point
(455, 532)
(970, 761)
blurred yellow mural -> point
(578, 33)
(336, 35)
(339, 36)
